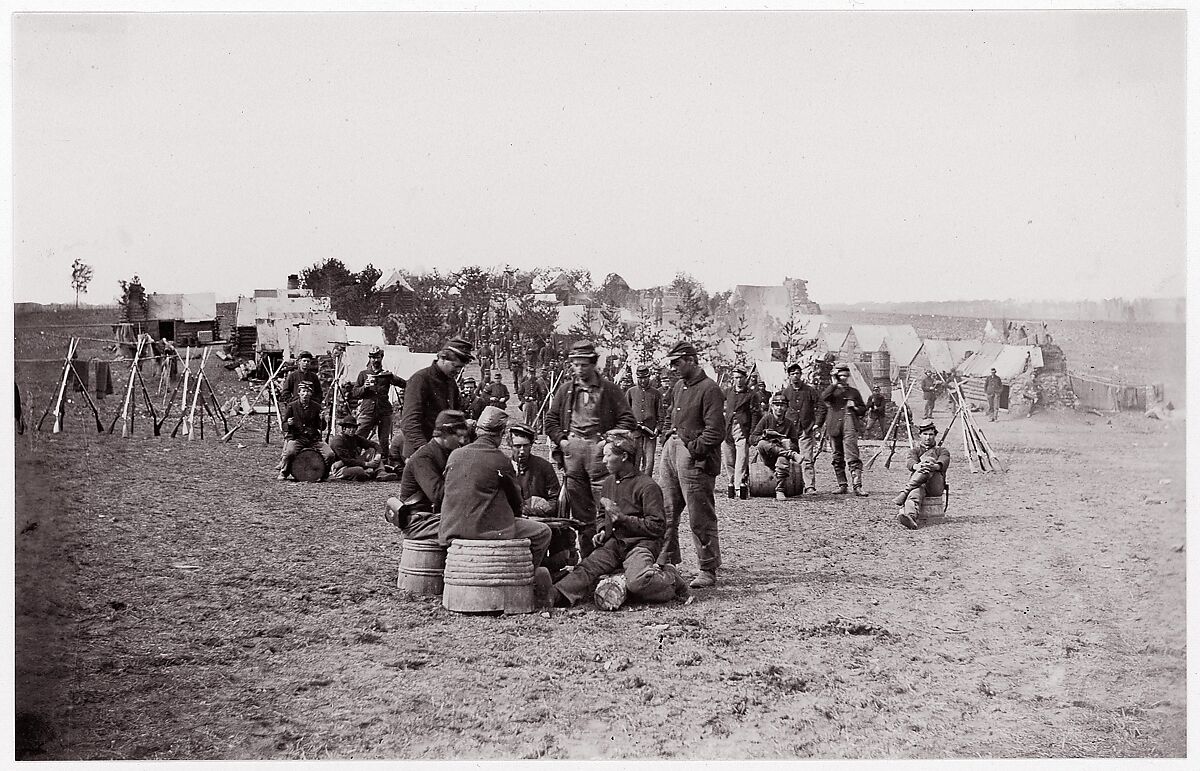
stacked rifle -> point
(980, 455)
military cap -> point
(926, 425)
(794, 367)
(304, 385)
(492, 419)
(584, 349)
(523, 429)
(375, 351)
(450, 420)
(303, 355)
(643, 370)
(740, 371)
(460, 349)
(348, 421)
(779, 399)
(842, 368)
(681, 349)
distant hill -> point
(1171, 310)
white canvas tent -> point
(190, 308)
(319, 337)
(1009, 361)
(946, 355)
(397, 359)
(772, 373)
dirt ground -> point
(174, 601)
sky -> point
(882, 156)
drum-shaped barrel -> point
(489, 576)
(421, 566)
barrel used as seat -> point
(421, 566)
(489, 576)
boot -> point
(731, 492)
(842, 490)
(780, 495)
(705, 580)
(856, 479)
(744, 493)
(902, 497)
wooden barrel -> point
(881, 366)
(489, 576)
(563, 551)
(933, 510)
(421, 566)
(762, 480)
(308, 466)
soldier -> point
(417, 510)
(481, 498)
(305, 372)
(993, 387)
(431, 390)
(645, 401)
(927, 463)
(876, 409)
(632, 535)
(348, 448)
(536, 477)
(497, 392)
(584, 407)
(844, 404)
(929, 391)
(775, 437)
(694, 429)
(741, 416)
(373, 389)
(531, 393)
(304, 422)
(802, 401)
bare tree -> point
(81, 276)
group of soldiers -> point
(622, 493)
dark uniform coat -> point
(481, 496)
(428, 392)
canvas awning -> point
(1009, 361)
(397, 359)
(191, 308)
(772, 373)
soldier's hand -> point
(600, 537)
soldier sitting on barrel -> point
(775, 438)
(927, 462)
(417, 511)
(304, 422)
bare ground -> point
(173, 601)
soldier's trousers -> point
(685, 485)
(643, 579)
(381, 424)
(584, 477)
(845, 454)
(736, 455)
(647, 448)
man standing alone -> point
(929, 391)
(741, 416)
(993, 387)
(844, 406)
(430, 391)
(695, 428)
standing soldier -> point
(584, 407)
(694, 429)
(373, 389)
(531, 393)
(822, 379)
(645, 401)
(497, 392)
(801, 410)
(876, 409)
(305, 372)
(929, 391)
(844, 404)
(741, 416)
(993, 387)
(431, 390)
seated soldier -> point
(350, 451)
(417, 512)
(775, 438)
(481, 499)
(304, 422)
(927, 462)
(497, 392)
(535, 475)
(631, 537)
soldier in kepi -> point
(993, 387)
(927, 464)
(694, 427)
(741, 415)
(373, 390)
(844, 405)
(775, 438)
(802, 403)
(645, 401)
